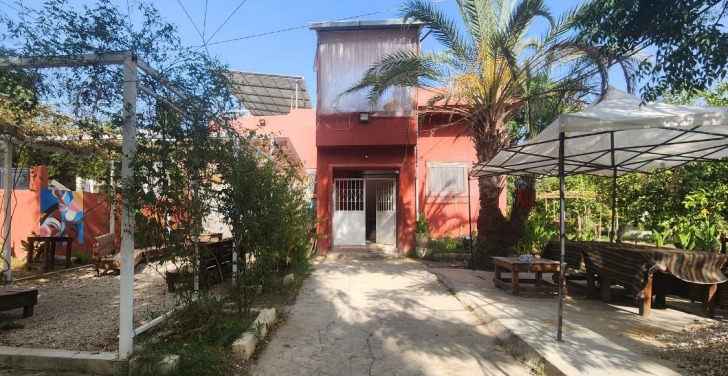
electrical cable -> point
(226, 20)
(300, 27)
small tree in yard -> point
(485, 78)
(264, 203)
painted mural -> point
(61, 213)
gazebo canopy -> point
(616, 135)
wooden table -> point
(12, 298)
(49, 250)
(514, 283)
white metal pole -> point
(112, 202)
(7, 195)
(128, 146)
(236, 149)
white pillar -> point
(128, 147)
(7, 194)
(236, 150)
(112, 202)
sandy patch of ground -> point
(76, 311)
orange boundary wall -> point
(25, 208)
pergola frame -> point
(132, 64)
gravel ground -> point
(700, 350)
(76, 311)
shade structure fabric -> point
(268, 94)
(617, 135)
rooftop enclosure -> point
(346, 50)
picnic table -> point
(47, 245)
(514, 266)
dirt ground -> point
(76, 311)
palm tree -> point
(486, 76)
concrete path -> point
(599, 338)
(381, 318)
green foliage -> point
(691, 42)
(443, 245)
(266, 205)
(539, 231)
(84, 257)
(684, 237)
(203, 350)
(659, 237)
(422, 225)
(706, 237)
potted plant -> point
(422, 234)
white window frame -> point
(463, 190)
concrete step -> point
(103, 363)
(362, 256)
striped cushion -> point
(627, 264)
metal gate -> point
(387, 212)
(349, 222)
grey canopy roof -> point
(268, 94)
(617, 135)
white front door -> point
(386, 212)
(349, 217)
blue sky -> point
(285, 52)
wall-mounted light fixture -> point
(261, 122)
(364, 117)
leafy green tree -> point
(689, 37)
(266, 206)
(490, 70)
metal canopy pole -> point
(470, 226)
(128, 146)
(7, 195)
(562, 235)
(614, 193)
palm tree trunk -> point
(497, 233)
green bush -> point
(84, 257)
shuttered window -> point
(446, 178)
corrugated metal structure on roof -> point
(396, 23)
(269, 94)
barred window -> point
(311, 175)
(446, 177)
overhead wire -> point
(301, 27)
(226, 20)
(204, 21)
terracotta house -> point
(376, 168)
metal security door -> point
(349, 216)
(387, 212)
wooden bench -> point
(216, 262)
(104, 250)
(12, 298)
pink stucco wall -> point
(299, 126)
(447, 214)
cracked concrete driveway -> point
(381, 318)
